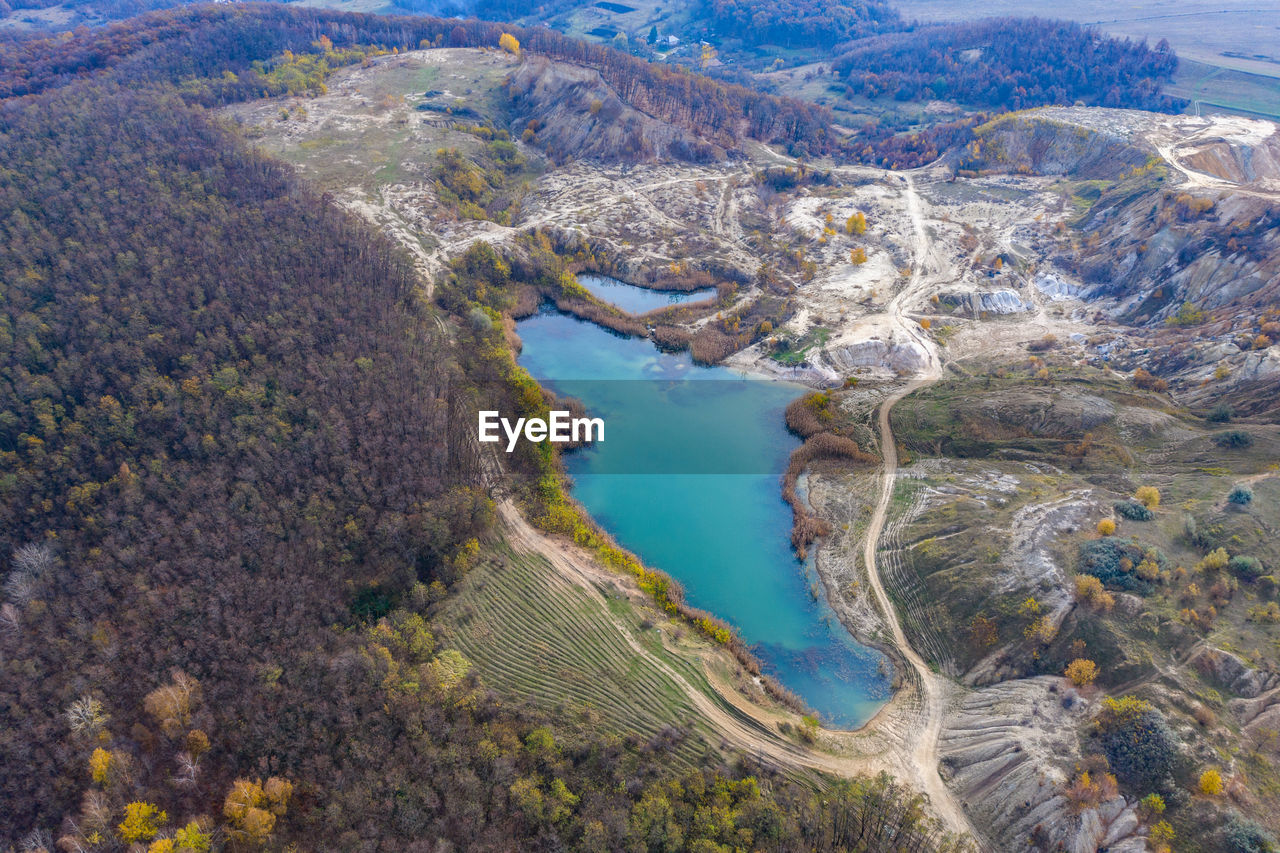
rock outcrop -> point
(1040, 144)
(1009, 750)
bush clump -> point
(1233, 438)
(1220, 414)
(1240, 835)
(1246, 568)
(1241, 495)
(1140, 747)
(1114, 562)
(1133, 511)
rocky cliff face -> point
(1153, 250)
(1191, 211)
(1039, 144)
(576, 115)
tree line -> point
(1011, 64)
(235, 475)
(194, 43)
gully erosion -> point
(719, 528)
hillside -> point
(238, 498)
(261, 589)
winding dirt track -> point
(935, 690)
(745, 727)
(901, 739)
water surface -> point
(639, 300)
(688, 478)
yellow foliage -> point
(278, 791)
(255, 827)
(1088, 588)
(162, 845)
(1041, 631)
(141, 822)
(1211, 783)
(100, 765)
(509, 43)
(1215, 561)
(858, 256)
(1160, 835)
(1148, 496)
(1106, 527)
(1082, 672)
(856, 224)
(197, 743)
(252, 808)
(172, 704)
(193, 838)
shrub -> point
(1187, 315)
(1148, 496)
(1046, 343)
(1082, 672)
(1138, 743)
(1245, 836)
(1160, 836)
(1041, 631)
(1233, 438)
(1241, 495)
(1133, 511)
(1106, 527)
(1246, 568)
(1210, 783)
(1144, 379)
(1220, 414)
(1089, 591)
(1114, 562)
(1086, 792)
(1215, 561)
(1152, 805)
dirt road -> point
(748, 728)
(935, 690)
(903, 738)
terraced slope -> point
(537, 638)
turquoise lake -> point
(639, 300)
(688, 478)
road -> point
(935, 690)
(902, 739)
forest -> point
(197, 45)
(1010, 64)
(798, 23)
(234, 484)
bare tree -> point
(86, 715)
(31, 563)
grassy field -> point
(1229, 57)
(368, 130)
(1216, 87)
(993, 434)
(537, 639)
(1202, 30)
